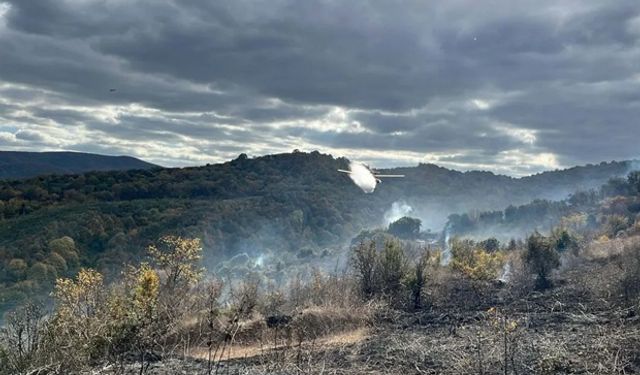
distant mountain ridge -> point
(22, 164)
(554, 185)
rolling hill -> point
(290, 209)
(19, 164)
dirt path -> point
(264, 348)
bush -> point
(630, 265)
(364, 261)
(20, 339)
(79, 322)
(389, 274)
(394, 267)
(634, 181)
(245, 298)
(474, 262)
(563, 241)
(418, 279)
(178, 258)
(541, 258)
(615, 224)
(490, 245)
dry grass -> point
(259, 349)
(583, 325)
(606, 248)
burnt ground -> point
(577, 327)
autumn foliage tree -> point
(177, 257)
(473, 261)
(78, 323)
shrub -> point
(177, 262)
(490, 245)
(475, 263)
(364, 261)
(615, 224)
(143, 314)
(418, 279)
(93, 322)
(20, 339)
(393, 267)
(541, 258)
(630, 265)
(177, 257)
(634, 181)
(79, 322)
(563, 241)
(245, 298)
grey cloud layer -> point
(540, 83)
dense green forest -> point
(21, 164)
(292, 206)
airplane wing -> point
(344, 171)
(388, 175)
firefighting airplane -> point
(365, 177)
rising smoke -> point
(362, 177)
(446, 255)
(505, 276)
(398, 209)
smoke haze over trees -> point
(246, 211)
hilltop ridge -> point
(23, 164)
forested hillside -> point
(613, 207)
(565, 301)
(435, 192)
(18, 164)
(289, 206)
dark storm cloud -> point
(141, 128)
(62, 116)
(435, 138)
(28, 135)
(495, 79)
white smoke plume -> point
(506, 273)
(259, 261)
(362, 177)
(398, 209)
(446, 255)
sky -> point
(514, 87)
